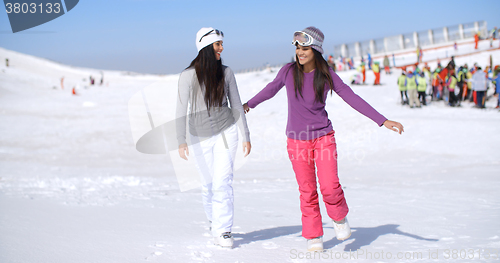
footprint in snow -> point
(157, 247)
(269, 245)
(154, 255)
(200, 255)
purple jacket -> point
(307, 118)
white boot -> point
(224, 240)
(315, 244)
(342, 229)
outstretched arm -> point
(356, 102)
(270, 90)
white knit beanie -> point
(208, 39)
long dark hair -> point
(321, 76)
(210, 76)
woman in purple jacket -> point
(310, 133)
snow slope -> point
(73, 188)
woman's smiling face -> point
(218, 49)
(304, 54)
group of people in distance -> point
(450, 84)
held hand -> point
(183, 151)
(395, 126)
(247, 146)
(246, 108)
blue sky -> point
(158, 36)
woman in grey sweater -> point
(207, 88)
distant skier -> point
(452, 83)
(469, 83)
(331, 63)
(416, 69)
(426, 68)
(492, 36)
(376, 72)
(311, 142)
(461, 83)
(421, 88)
(411, 85)
(451, 65)
(443, 74)
(363, 72)
(436, 85)
(419, 55)
(7, 62)
(476, 40)
(387, 65)
(62, 83)
(479, 85)
(355, 79)
(369, 61)
(402, 88)
(496, 79)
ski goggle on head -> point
(213, 31)
(304, 39)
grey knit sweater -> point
(204, 123)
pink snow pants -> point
(304, 155)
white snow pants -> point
(215, 158)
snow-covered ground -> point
(73, 187)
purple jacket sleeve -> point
(355, 101)
(271, 89)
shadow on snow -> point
(265, 234)
(363, 236)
